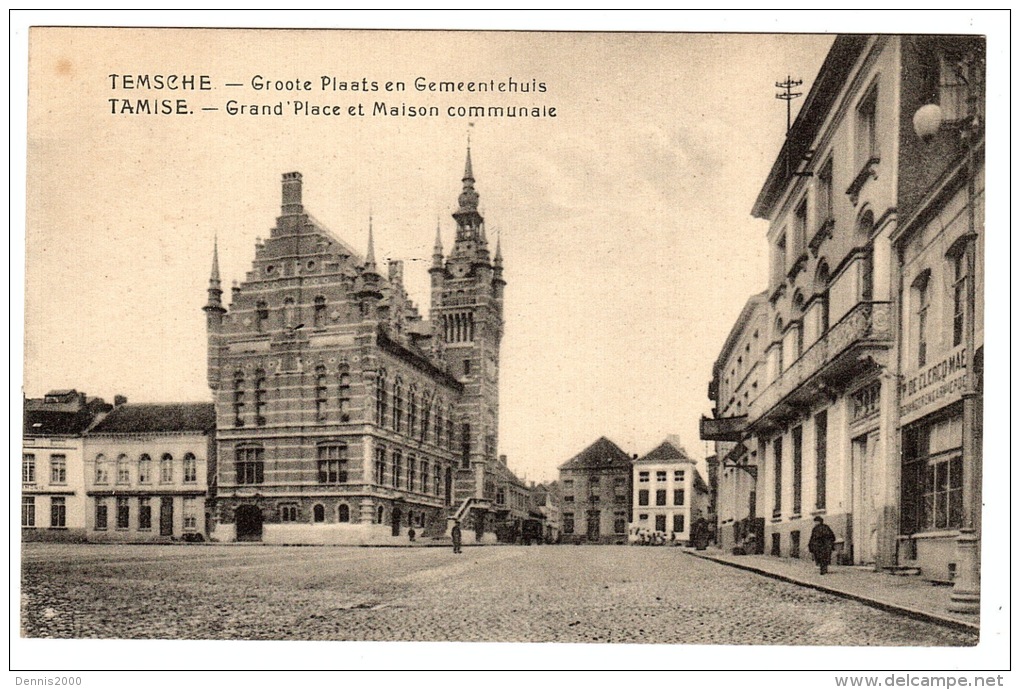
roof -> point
(603, 454)
(158, 417)
(59, 423)
(830, 80)
(663, 453)
(753, 302)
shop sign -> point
(933, 386)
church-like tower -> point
(467, 318)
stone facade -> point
(596, 488)
(669, 495)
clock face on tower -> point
(460, 270)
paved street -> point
(501, 593)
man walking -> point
(456, 535)
(822, 544)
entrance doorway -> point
(395, 516)
(248, 520)
(594, 517)
(862, 530)
(166, 516)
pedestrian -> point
(411, 534)
(456, 536)
(822, 544)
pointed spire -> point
(468, 199)
(498, 259)
(214, 276)
(370, 255)
(437, 249)
(468, 173)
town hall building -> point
(343, 415)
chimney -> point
(292, 193)
(119, 400)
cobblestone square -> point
(493, 594)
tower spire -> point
(370, 255)
(214, 276)
(468, 199)
(215, 303)
(498, 258)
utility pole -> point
(788, 95)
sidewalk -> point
(906, 595)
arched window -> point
(412, 410)
(439, 423)
(426, 414)
(144, 468)
(239, 398)
(318, 513)
(190, 468)
(380, 397)
(922, 301)
(344, 393)
(320, 393)
(960, 257)
(260, 397)
(343, 513)
(822, 289)
(380, 515)
(288, 315)
(320, 312)
(123, 469)
(451, 440)
(102, 470)
(398, 404)
(166, 469)
(778, 339)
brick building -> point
(343, 415)
(595, 488)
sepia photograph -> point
(428, 346)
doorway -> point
(166, 516)
(395, 516)
(248, 520)
(862, 532)
(594, 517)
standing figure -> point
(456, 535)
(822, 544)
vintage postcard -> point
(659, 340)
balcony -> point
(828, 364)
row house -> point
(150, 473)
(596, 492)
(847, 409)
(669, 493)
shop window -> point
(798, 461)
(932, 480)
(777, 477)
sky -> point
(624, 220)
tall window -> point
(58, 512)
(822, 288)
(643, 497)
(144, 468)
(451, 441)
(398, 405)
(439, 423)
(380, 466)
(678, 497)
(332, 463)
(261, 316)
(249, 465)
(568, 523)
(28, 468)
(166, 469)
(380, 397)
(102, 470)
(424, 476)
(260, 397)
(798, 459)
(800, 229)
(123, 469)
(101, 514)
(660, 497)
(190, 515)
(344, 393)
(318, 513)
(288, 512)
(426, 416)
(123, 512)
(821, 451)
(58, 469)
(779, 260)
(320, 312)
(823, 199)
(238, 399)
(866, 135)
(144, 513)
(28, 511)
(932, 484)
(777, 478)
(922, 295)
(412, 464)
(465, 445)
(343, 513)
(320, 393)
(620, 522)
(437, 478)
(678, 522)
(190, 468)
(961, 277)
(412, 410)
(398, 468)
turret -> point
(214, 304)
(371, 282)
